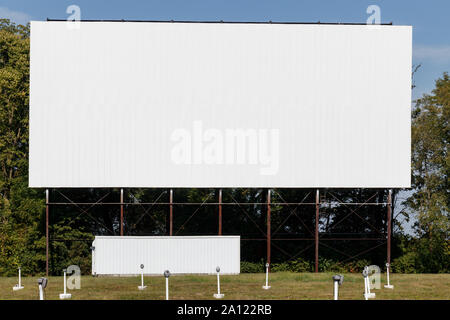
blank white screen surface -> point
(139, 104)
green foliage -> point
(357, 266)
(21, 237)
(252, 267)
(430, 181)
(405, 263)
(433, 255)
(22, 242)
(70, 252)
(327, 265)
(431, 161)
(300, 265)
(14, 96)
(11, 27)
(423, 255)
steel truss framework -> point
(267, 236)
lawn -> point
(285, 285)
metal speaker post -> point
(218, 295)
(267, 287)
(142, 287)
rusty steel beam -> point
(46, 230)
(121, 212)
(316, 235)
(261, 239)
(389, 226)
(217, 203)
(268, 228)
(310, 239)
(221, 22)
(220, 212)
(171, 212)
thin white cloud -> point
(440, 54)
(15, 16)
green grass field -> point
(300, 286)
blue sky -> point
(430, 19)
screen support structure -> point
(316, 234)
(171, 212)
(269, 238)
(268, 203)
(47, 204)
(220, 212)
(121, 211)
(389, 226)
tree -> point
(14, 96)
(430, 159)
(430, 175)
(21, 240)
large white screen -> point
(134, 104)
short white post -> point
(218, 295)
(42, 282)
(336, 286)
(367, 293)
(266, 287)
(65, 295)
(338, 280)
(167, 275)
(142, 287)
(365, 273)
(41, 293)
(388, 285)
(19, 285)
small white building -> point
(115, 255)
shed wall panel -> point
(115, 255)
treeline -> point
(347, 239)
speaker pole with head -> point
(388, 285)
(338, 280)
(218, 295)
(142, 287)
(19, 285)
(267, 277)
(167, 275)
(42, 282)
(65, 295)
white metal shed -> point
(116, 255)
